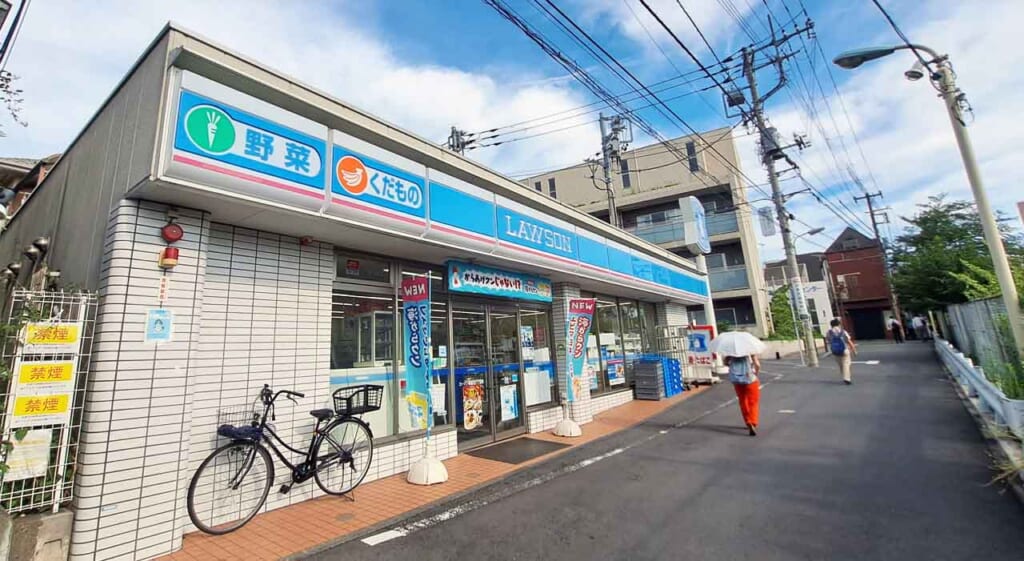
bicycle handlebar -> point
(269, 396)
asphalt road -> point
(889, 468)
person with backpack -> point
(840, 344)
(743, 371)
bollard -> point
(778, 356)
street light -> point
(811, 232)
(945, 81)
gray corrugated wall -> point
(111, 155)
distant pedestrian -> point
(743, 371)
(920, 327)
(840, 344)
(896, 329)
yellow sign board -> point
(52, 338)
(35, 405)
(35, 373)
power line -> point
(902, 35)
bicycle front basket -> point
(356, 400)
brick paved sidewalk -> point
(297, 528)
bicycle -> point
(232, 483)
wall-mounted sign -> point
(51, 338)
(477, 279)
(695, 228)
(766, 218)
(235, 142)
(30, 456)
(159, 325)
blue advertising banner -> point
(416, 314)
(476, 279)
(577, 331)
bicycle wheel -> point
(343, 455)
(229, 487)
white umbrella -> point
(737, 343)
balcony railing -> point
(722, 223)
(672, 230)
(728, 279)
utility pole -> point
(772, 151)
(611, 149)
(870, 197)
(457, 141)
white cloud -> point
(70, 56)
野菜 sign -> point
(476, 279)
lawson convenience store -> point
(301, 215)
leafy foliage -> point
(782, 315)
(11, 97)
(941, 258)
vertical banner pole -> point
(416, 317)
(578, 321)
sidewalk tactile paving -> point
(276, 534)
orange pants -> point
(749, 396)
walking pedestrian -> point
(840, 344)
(920, 331)
(743, 371)
(896, 329)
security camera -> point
(916, 72)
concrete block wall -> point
(134, 449)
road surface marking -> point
(787, 411)
(383, 537)
(469, 506)
(871, 362)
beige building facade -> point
(648, 184)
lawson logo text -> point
(362, 179)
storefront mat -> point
(517, 451)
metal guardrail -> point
(1005, 411)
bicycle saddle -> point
(322, 414)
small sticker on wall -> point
(159, 326)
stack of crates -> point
(649, 376)
(673, 373)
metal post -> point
(796, 282)
(869, 197)
(613, 214)
(988, 222)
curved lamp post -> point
(945, 80)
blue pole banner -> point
(577, 331)
(416, 314)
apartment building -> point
(857, 266)
(648, 184)
(814, 273)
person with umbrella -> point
(740, 351)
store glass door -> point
(488, 373)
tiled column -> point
(579, 410)
(671, 314)
(132, 460)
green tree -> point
(782, 314)
(941, 257)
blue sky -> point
(425, 66)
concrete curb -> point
(1004, 449)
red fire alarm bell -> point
(172, 233)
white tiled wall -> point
(609, 401)
(544, 419)
(249, 308)
(133, 455)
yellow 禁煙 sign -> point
(52, 334)
(32, 373)
(37, 405)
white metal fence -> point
(44, 361)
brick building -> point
(856, 267)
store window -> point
(605, 357)
(649, 326)
(360, 268)
(440, 367)
(632, 335)
(538, 359)
(363, 347)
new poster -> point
(416, 314)
(472, 404)
(578, 322)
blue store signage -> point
(530, 232)
(220, 132)
(476, 279)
